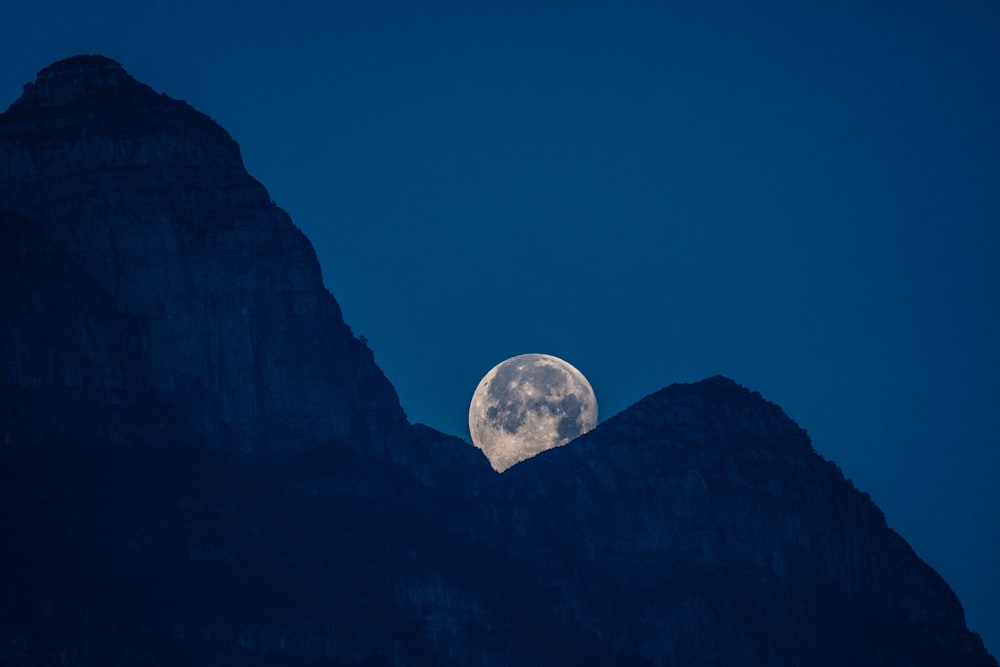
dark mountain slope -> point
(712, 498)
(150, 198)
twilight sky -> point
(803, 198)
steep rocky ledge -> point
(150, 199)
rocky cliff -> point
(709, 510)
(200, 464)
(149, 198)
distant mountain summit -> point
(78, 79)
(200, 464)
(150, 200)
(709, 509)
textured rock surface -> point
(708, 510)
(160, 313)
(150, 199)
(60, 328)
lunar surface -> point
(528, 404)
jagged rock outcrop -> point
(158, 313)
(150, 199)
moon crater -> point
(528, 404)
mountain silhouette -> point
(201, 464)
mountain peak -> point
(73, 79)
(83, 63)
(710, 410)
(150, 200)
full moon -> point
(528, 404)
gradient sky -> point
(804, 198)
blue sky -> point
(802, 196)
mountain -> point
(200, 464)
(150, 199)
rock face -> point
(708, 509)
(150, 199)
(199, 464)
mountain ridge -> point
(204, 465)
(150, 198)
